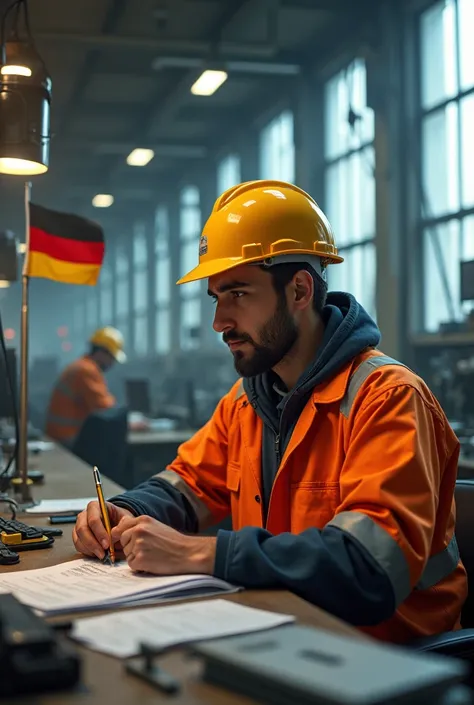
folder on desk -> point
(294, 664)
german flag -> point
(63, 247)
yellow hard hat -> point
(262, 221)
(111, 340)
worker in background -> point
(81, 389)
(337, 463)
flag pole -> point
(22, 470)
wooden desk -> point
(104, 680)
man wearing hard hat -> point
(81, 389)
(336, 462)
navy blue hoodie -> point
(327, 567)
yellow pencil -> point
(104, 511)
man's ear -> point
(303, 289)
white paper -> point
(87, 584)
(121, 634)
(61, 506)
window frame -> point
(432, 226)
(344, 154)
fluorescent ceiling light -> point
(208, 82)
(4, 284)
(15, 70)
(140, 157)
(102, 200)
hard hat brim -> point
(120, 356)
(204, 270)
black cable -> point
(11, 7)
(11, 386)
(26, 14)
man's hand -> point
(89, 534)
(153, 547)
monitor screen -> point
(7, 409)
(137, 393)
(467, 281)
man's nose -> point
(222, 321)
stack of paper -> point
(161, 627)
(87, 584)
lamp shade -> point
(25, 101)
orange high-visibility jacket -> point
(370, 468)
(80, 390)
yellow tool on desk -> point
(110, 554)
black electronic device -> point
(467, 281)
(296, 664)
(63, 519)
(22, 537)
(137, 394)
(33, 659)
(8, 369)
(7, 556)
(48, 531)
(8, 256)
(36, 476)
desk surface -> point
(467, 463)
(104, 679)
(152, 436)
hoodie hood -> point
(348, 331)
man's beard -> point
(277, 337)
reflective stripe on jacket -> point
(80, 390)
(373, 455)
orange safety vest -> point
(371, 453)
(80, 390)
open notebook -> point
(86, 584)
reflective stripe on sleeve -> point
(360, 375)
(389, 556)
(382, 547)
(440, 565)
(204, 516)
(66, 390)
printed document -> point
(121, 634)
(61, 506)
(87, 584)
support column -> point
(309, 134)
(208, 195)
(384, 90)
(175, 302)
(249, 150)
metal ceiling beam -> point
(111, 20)
(179, 47)
(163, 111)
(163, 108)
(101, 147)
(249, 68)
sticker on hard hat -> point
(203, 246)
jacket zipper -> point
(277, 449)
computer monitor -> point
(467, 281)
(137, 393)
(7, 407)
